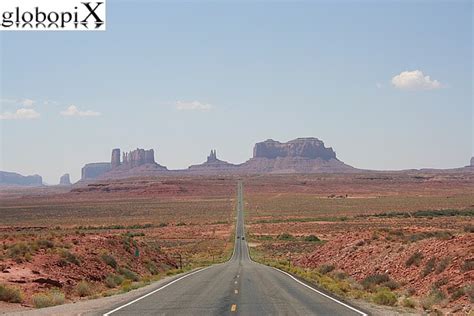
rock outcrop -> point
(302, 155)
(311, 148)
(65, 179)
(138, 157)
(115, 160)
(12, 178)
(94, 170)
(472, 161)
(213, 165)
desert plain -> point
(402, 240)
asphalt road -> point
(237, 287)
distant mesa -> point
(311, 148)
(472, 161)
(133, 163)
(94, 170)
(213, 165)
(16, 179)
(65, 179)
(301, 155)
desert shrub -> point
(151, 266)
(429, 267)
(469, 228)
(285, 236)
(407, 302)
(391, 284)
(468, 265)
(442, 265)
(326, 268)
(126, 285)
(341, 275)
(127, 243)
(134, 234)
(83, 289)
(370, 281)
(51, 298)
(385, 297)
(311, 238)
(19, 251)
(457, 294)
(162, 224)
(45, 244)
(414, 259)
(109, 260)
(113, 280)
(128, 274)
(41, 300)
(439, 283)
(70, 257)
(411, 291)
(10, 294)
(434, 297)
(434, 234)
(469, 290)
(181, 224)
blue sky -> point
(388, 86)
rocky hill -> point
(301, 155)
(13, 179)
(213, 165)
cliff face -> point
(65, 179)
(138, 157)
(301, 155)
(94, 170)
(12, 178)
(472, 162)
(311, 148)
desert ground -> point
(396, 239)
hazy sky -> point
(387, 86)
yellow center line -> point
(236, 291)
(235, 282)
(233, 308)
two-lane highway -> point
(239, 286)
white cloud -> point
(20, 114)
(27, 102)
(193, 106)
(72, 110)
(415, 80)
(379, 85)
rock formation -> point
(301, 155)
(213, 165)
(472, 161)
(65, 179)
(12, 178)
(138, 157)
(115, 160)
(311, 148)
(212, 157)
(94, 170)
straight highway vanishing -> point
(238, 287)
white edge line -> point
(154, 291)
(321, 293)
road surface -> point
(237, 287)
